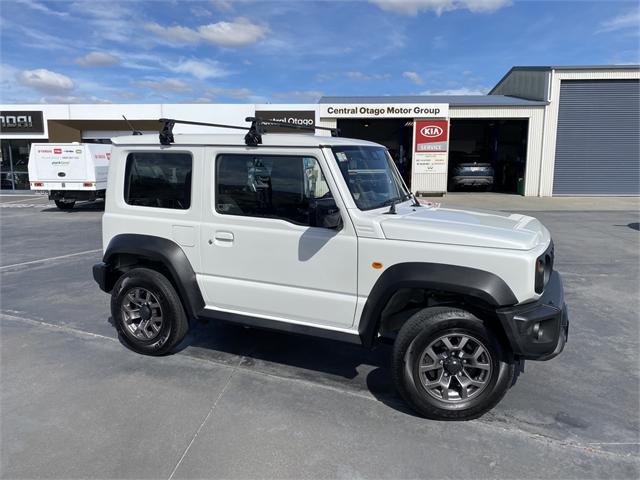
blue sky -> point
(250, 52)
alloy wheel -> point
(142, 314)
(455, 367)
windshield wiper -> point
(415, 203)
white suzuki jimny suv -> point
(320, 236)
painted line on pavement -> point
(50, 259)
(30, 199)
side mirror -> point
(325, 213)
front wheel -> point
(147, 312)
(65, 204)
(449, 366)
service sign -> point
(384, 110)
(430, 146)
(305, 118)
(21, 122)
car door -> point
(260, 255)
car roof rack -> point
(253, 138)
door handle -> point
(224, 236)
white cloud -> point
(165, 84)
(479, 90)
(113, 21)
(199, 11)
(365, 76)
(127, 95)
(242, 93)
(241, 32)
(303, 96)
(35, 38)
(413, 7)
(483, 5)
(223, 5)
(46, 81)
(621, 22)
(42, 8)
(7, 71)
(414, 77)
(73, 99)
(201, 69)
(97, 59)
(351, 75)
(176, 33)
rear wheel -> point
(448, 365)
(147, 312)
(65, 204)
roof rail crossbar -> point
(254, 134)
(277, 123)
(166, 134)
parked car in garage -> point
(472, 174)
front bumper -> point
(472, 181)
(538, 330)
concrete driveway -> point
(238, 403)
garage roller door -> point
(598, 143)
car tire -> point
(423, 364)
(65, 205)
(147, 312)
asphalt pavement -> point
(244, 403)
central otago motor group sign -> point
(384, 110)
(430, 146)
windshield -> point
(371, 176)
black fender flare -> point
(167, 253)
(479, 284)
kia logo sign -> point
(431, 131)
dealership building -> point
(542, 131)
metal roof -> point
(577, 67)
(452, 100)
(549, 68)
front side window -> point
(269, 186)
(158, 179)
(371, 176)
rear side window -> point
(158, 179)
(269, 186)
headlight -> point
(544, 267)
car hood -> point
(478, 228)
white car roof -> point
(268, 139)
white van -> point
(69, 171)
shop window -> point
(14, 161)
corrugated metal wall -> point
(598, 138)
